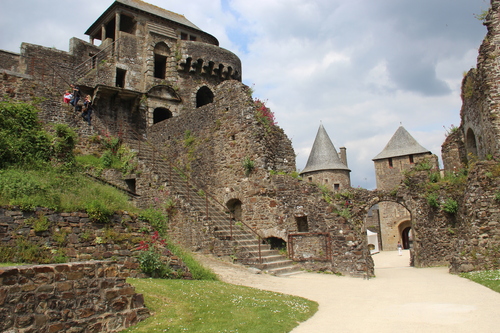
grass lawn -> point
(214, 306)
(490, 279)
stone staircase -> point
(245, 239)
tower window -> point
(390, 163)
(411, 159)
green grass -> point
(213, 306)
(490, 279)
(59, 191)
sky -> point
(362, 68)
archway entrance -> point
(390, 221)
(407, 238)
(160, 114)
(234, 206)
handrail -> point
(98, 57)
(195, 186)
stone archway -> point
(407, 238)
(234, 206)
(387, 219)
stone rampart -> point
(75, 297)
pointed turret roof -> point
(323, 154)
(401, 144)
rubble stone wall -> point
(75, 297)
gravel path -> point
(399, 299)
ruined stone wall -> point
(212, 141)
(453, 152)
(480, 120)
(9, 60)
(477, 230)
(77, 297)
(74, 237)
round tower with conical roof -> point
(325, 165)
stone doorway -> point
(234, 206)
(389, 220)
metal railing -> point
(191, 185)
(95, 61)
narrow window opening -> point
(390, 162)
(336, 187)
(411, 159)
(310, 179)
(120, 77)
(160, 66)
(302, 225)
(131, 185)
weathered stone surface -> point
(50, 307)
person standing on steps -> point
(400, 248)
(87, 109)
(76, 96)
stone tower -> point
(325, 166)
(401, 153)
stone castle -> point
(172, 94)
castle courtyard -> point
(399, 299)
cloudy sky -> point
(359, 67)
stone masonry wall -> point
(74, 237)
(75, 297)
(480, 113)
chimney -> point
(343, 155)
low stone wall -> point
(74, 297)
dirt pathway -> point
(399, 299)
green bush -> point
(450, 206)
(22, 138)
(433, 200)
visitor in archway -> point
(400, 248)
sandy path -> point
(399, 299)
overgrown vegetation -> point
(264, 115)
(212, 306)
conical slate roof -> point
(323, 154)
(401, 144)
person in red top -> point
(67, 97)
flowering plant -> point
(153, 258)
(264, 114)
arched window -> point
(471, 142)
(161, 52)
(234, 206)
(160, 114)
(204, 96)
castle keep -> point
(174, 96)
